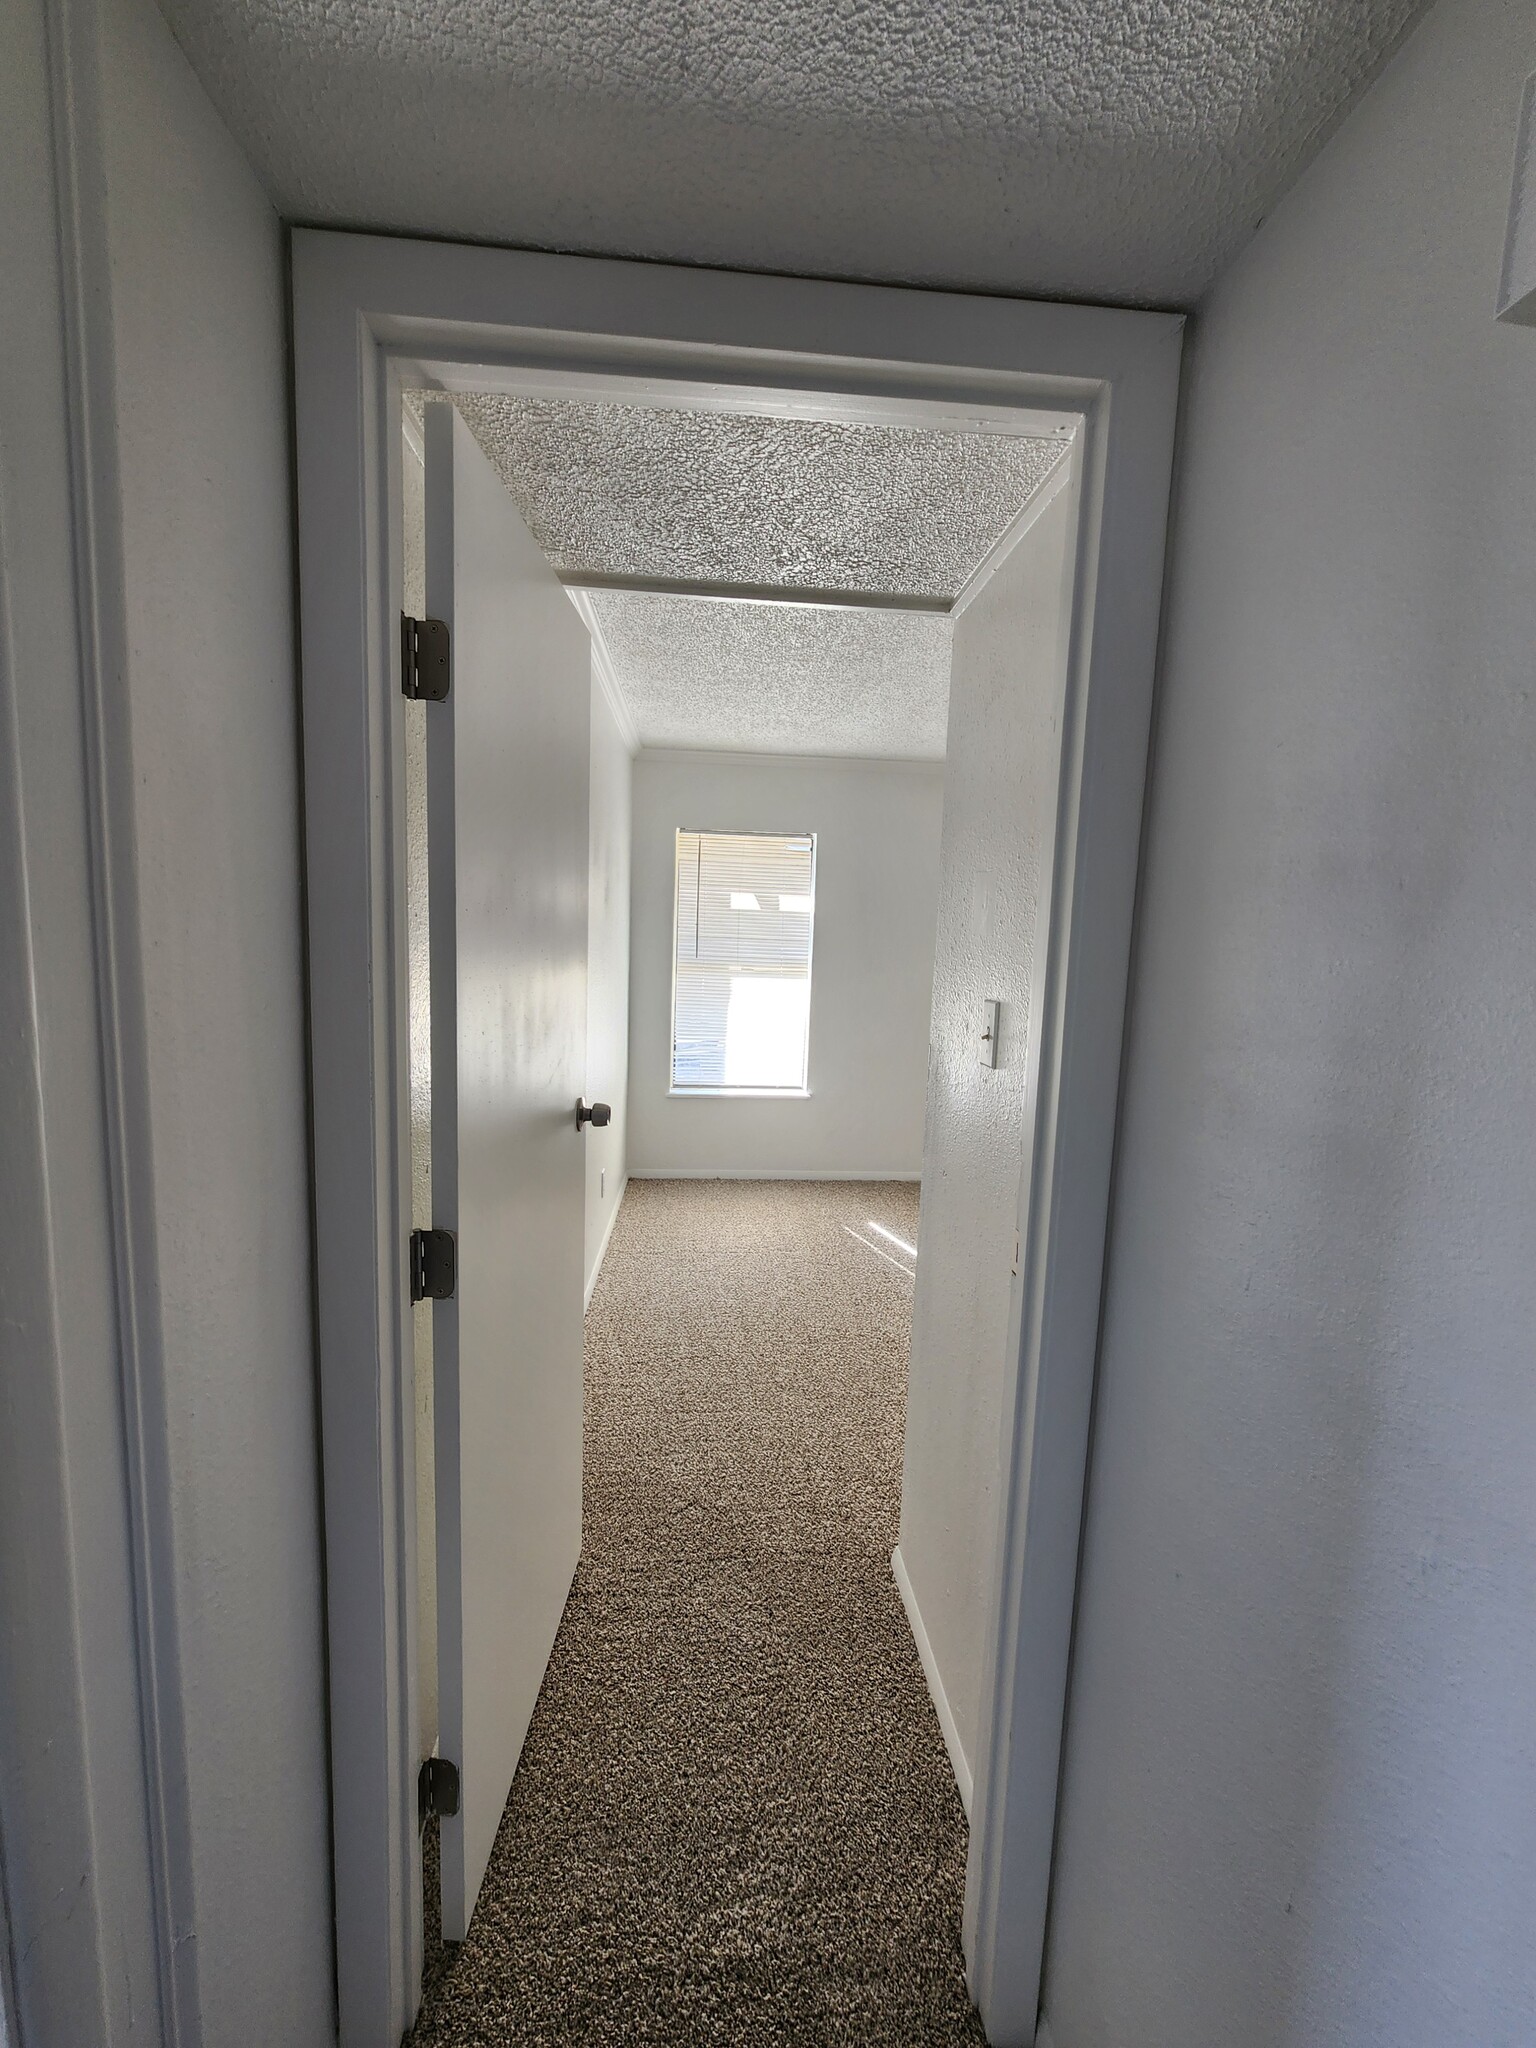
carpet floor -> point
(734, 1820)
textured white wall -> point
(197, 306)
(1300, 1798)
(607, 973)
(999, 818)
(877, 874)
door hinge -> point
(424, 664)
(434, 1264)
(437, 1790)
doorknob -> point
(595, 1113)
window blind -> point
(741, 1004)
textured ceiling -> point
(779, 679)
(1108, 149)
(733, 498)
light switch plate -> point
(991, 1013)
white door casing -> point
(507, 778)
(481, 318)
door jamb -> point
(362, 304)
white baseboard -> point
(940, 1698)
(764, 1173)
(597, 1263)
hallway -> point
(734, 1820)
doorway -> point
(772, 604)
(549, 332)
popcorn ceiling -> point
(777, 678)
(1115, 150)
(653, 491)
(738, 498)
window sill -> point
(757, 1094)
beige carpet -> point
(734, 1821)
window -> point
(741, 990)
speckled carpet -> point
(734, 1820)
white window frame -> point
(469, 316)
(741, 1094)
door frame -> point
(365, 304)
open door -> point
(507, 778)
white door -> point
(507, 775)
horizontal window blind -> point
(741, 1006)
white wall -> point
(198, 328)
(1300, 1798)
(607, 974)
(999, 820)
(877, 829)
(74, 1831)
